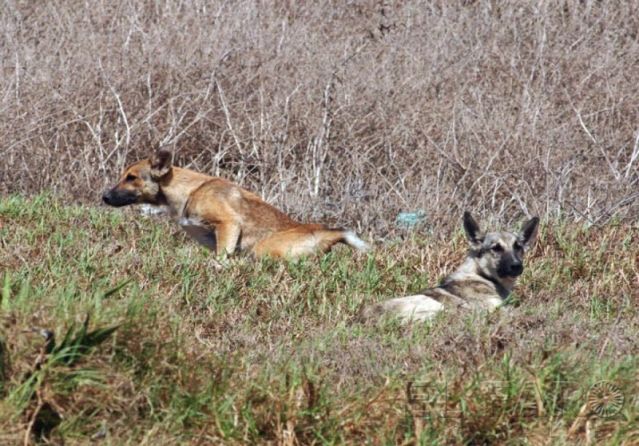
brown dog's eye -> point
(131, 177)
(497, 248)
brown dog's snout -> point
(106, 197)
(117, 198)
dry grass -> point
(270, 351)
(348, 113)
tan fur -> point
(483, 281)
(220, 214)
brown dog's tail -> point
(330, 236)
(306, 239)
(352, 240)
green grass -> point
(155, 345)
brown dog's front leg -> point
(228, 235)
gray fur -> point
(483, 281)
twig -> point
(592, 138)
(34, 416)
(582, 417)
(227, 116)
(49, 339)
(633, 156)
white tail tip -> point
(353, 240)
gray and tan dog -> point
(483, 281)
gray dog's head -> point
(499, 255)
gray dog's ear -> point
(473, 233)
(161, 161)
(529, 231)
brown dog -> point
(220, 214)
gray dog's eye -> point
(497, 248)
(518, 246)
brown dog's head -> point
(140, 182)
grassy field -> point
(116, 329)
(155, 344)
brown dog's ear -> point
(473, 233)
(160, 163)
(529, 231)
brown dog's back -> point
(220, 214)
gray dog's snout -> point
(516, 269)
